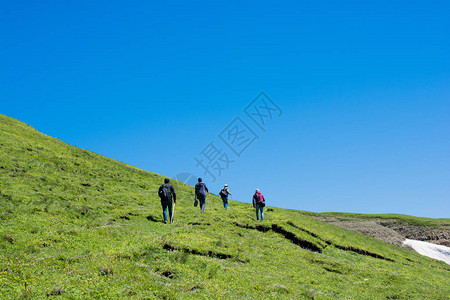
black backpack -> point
(200, 189)
(166, 193)
(222, 193)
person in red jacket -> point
(259, 202)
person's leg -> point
(164, 207)
(262, 213)
(257, 215)
(202, 204)
(225, 202)
(169, 206)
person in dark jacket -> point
(224, 195)
(200, 194)
(259, 202)
(166, 192)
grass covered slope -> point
(80, 225)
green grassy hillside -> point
(78, 225)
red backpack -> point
(260, 199)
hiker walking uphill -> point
(200, 194)
(259, 202)
(166, 193)
(224, 195)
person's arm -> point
(206, 189)
(159, 191)
(253, 200)
(174, 194)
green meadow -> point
(78, 225)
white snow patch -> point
(438, 252)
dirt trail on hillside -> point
(393, 231)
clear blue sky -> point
(364, 87)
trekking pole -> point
(173, 212)
(210, 205)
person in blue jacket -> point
(200, 194)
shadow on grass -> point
(209, 253)
(306, 244)
(287, 234)
(153, 219)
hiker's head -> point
(257, 190)
(167, 180)
(200, 180)
(226, 185)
